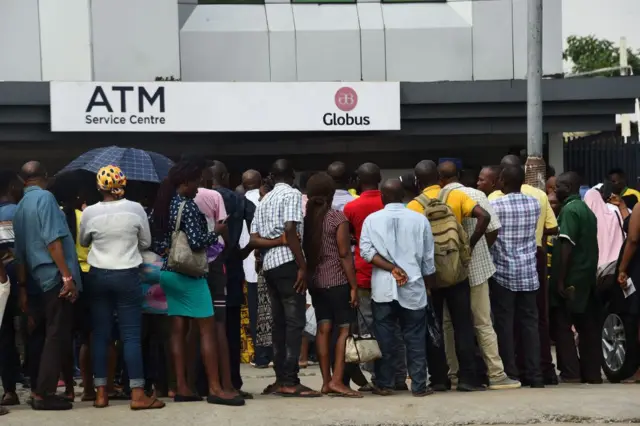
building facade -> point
(272, 40)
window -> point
(324, 1)
(414, 1)
(230, 1)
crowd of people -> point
(460, 286)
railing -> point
(593, 156)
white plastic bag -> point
(5, 290)
(311, 326)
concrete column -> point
(556, 152)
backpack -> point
(452, 252)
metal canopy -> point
(433, 108)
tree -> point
(590, 53)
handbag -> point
(182, 258)
(362, 348)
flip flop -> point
(151, 406)
(300, 393)
(353, 395)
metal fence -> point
(593, 156)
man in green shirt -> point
(573, 282)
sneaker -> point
(467, 387)
(505, 383)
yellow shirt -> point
(82, 252)
(353, 192)
(547, 219)
(631, 191)
(460, 203)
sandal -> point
(271, 389)
(301, 391)
(156, 404)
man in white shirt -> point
(399, 244)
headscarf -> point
(111, 179)
(610, 235)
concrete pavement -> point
(560, 404)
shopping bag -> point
(360, 347)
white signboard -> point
(224, 107)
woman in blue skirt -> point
(187, 297)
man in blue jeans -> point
(399, 244)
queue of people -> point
(452, 281)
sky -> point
(610, 19)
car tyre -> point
(619, 341)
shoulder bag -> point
(182, 258)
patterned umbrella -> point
(137, 164)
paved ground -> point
(563, 404)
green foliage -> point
(590, 53)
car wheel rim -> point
(614, 343)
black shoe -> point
(245, 395)
(440, 387)
(51, 404)
(551, 380)
(186, 398)
(466, 387)
(233, 402)
(400, 387)
(536, 385)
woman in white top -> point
(116, 229)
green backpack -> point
(452, 252)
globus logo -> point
(346, 99)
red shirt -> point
(357, 211)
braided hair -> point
(320, 190)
